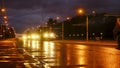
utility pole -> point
(87, 28)
(62, 30)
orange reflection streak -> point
(108, 59)
(33, 44)
(68, 56)
(76, 55)
(82, 59)
(37, 45)
(24, 43)
(49, 48)
(29, 44)
(46, 46)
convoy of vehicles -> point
(43, 34)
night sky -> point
(23, 14)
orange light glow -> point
(5, 17)
(6, 22)
(58, 18)
(3, 10)
(80, 11)
(68, 18)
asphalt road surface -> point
(75, 54)
(11, 56)
(59, 54)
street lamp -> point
(62, 30)
(68, 18)
(58, 18)
(87, 27)
(3, 10)
(80, 11)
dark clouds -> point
(26, 13)
(60, 5)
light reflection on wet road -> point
(74, 55)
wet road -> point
(74, 54)
(9, 56)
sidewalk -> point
(101, 42)
(93, 42)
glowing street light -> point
(5, 17)
(6, 22)
(80, 11)
(58, 18)
(68, 18)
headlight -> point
(49, 35)
(46, 35)
(52, 35)
(35, 36)
(28, 37)
(24, 37)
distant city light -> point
(3, 10)
(93, 12)
(68, 18)
(80, 11)
(5, 17)
(58, 18)
(6, 22)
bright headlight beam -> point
(46, 35)
(24, 36)
(34, 36)
(51, 35)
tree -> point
(51, 22)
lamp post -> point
(62, 30)
(5, 18)
(63, 27)
(80, 11)
(87, 28)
